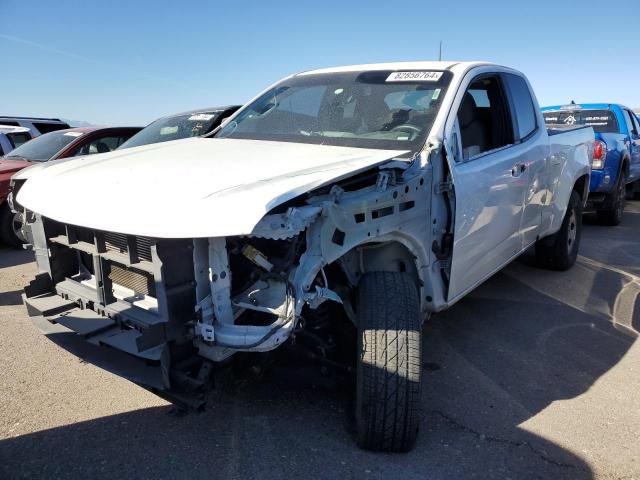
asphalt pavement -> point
(536, 374)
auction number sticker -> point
(73, 134)
(414, 77)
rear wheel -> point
(10, 226)
(560, 250)
(613, 215)
(389, 359)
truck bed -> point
(570, 137)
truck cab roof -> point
(585, 106)
(453, 66)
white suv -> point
(14, 131)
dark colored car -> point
(71, 142)
(181, 125)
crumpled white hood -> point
(198, 187)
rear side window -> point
(602, 121)
(480, 97)
(101, 145)
(631, 128)
(18, 139)
(524, 110)
(49, 127)
(636, 125)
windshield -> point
(173, 128)
(376, 109)
(602, 121)
(44, 147)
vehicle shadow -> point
(495, 370)
(619, 245)
(605, 279)
(486, 372)
(11, 298)
(619, 249)
(11, 257)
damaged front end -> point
(246, 300)
(164, 312)
(157, 311)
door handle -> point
(518, 169)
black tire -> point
(389, 362)
(7, 233)
(612, 216)
(560, 250)
(633, 190)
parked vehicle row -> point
(79, 142)
(70, 142)
(335, 212)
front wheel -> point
(389, 362)
(560, 250)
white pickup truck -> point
(339, 208)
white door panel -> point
(490, 192)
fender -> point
(573, 171)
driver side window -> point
(483, 117)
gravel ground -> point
(534, 375)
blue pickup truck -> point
(615, 167)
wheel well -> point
(344, 274)
(581, 187)
(391, 256)
(625, 165)
(387, 257)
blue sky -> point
(129, 62)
